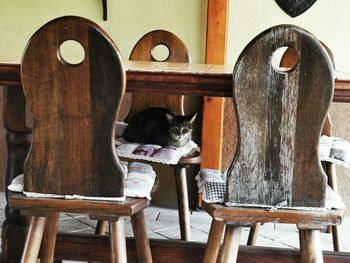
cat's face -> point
(180, 128)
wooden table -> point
(147, 77)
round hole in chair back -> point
(71, 52)
(285, 59)
(160, 52)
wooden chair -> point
(74, 108)
(288, 60)
(143, 51)
(280, 116)
(178, 52)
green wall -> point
(127, 21)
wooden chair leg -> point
(101, 227)
(182, 200)
(47, 250)
(33, 240)
(253, 234)
(336, 241)
(302, 244)
(332, 182)
(141, 238)
(117, 241)
(214, 240)
(310, 246)
(231, 244)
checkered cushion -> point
(334, 150)
(212, 186)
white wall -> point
(127, 21)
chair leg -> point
(33, 240)
(214, 240)
(336, 241)
(141, 239)
(47, 251)
(310, 246)
(117, 241)
(231, 244)
(332, 182)
(101, 227)
(253, 234)
(182, 200)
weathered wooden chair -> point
(143, 51)
(276, 175)
(288, 60)
(74, 107)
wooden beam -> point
(85, 247)
(213, 108)
(217, 83)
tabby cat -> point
(160, 126)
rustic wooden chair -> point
(74, 107)
(288, 60)
(143, 51)
(276, 175)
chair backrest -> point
(289, 59)
(280, 116)
(143, 51)
(74, 107)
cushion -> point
(149, 152)
(139, 181)
(334, 150)
(212, 185)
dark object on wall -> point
(295, 7)
(104, 6)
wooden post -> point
(213, 108)
(18, 139)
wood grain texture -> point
(74, 108)
(47, 248)
(142, 51)
(182, 203)
(33, 240)
(103, 208)
(117, 241)
(310, 244)
(213, 108)
(280, 115)
(85, 247)
(216, 81)
(214, 241)
(250, 216)
(141, 239)
(230, 246)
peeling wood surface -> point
(280, 115)
(250, 216)
(74, 109)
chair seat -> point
(128, 207)
(242, 216)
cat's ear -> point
(192, 117)
(169, 117)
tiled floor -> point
(162, 223)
